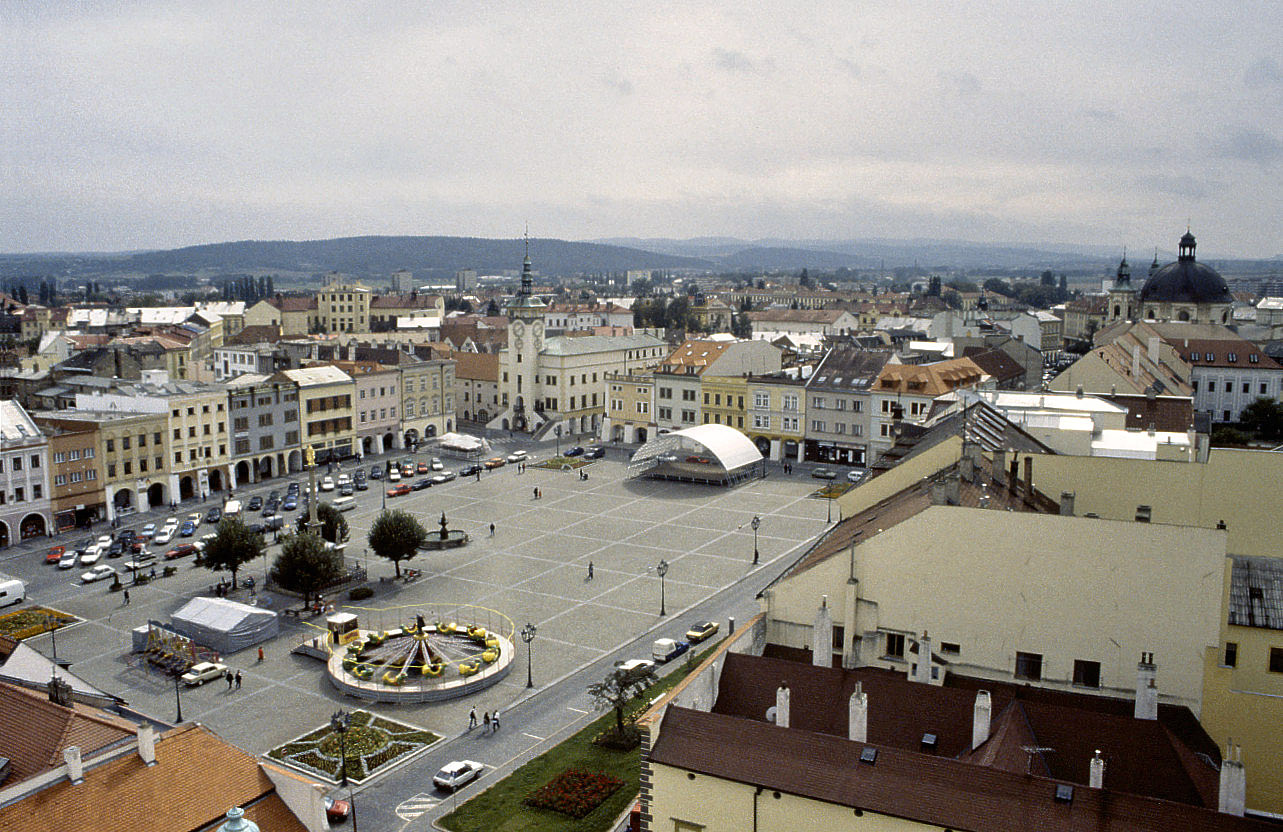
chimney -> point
(1233, 788)
(782, 705)
(1146, 688)
(982, 715)
(858, 715)
(1067, 503)
(1029, 477)
(147, 743)
(1079, 392)
(999, 465)
(967, 468)
(822, 636)
(922, 670)
(1096, 774)
(75, 768)
(1135, 360)
(1013, 476)
(1153, 348)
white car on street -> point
(164, 535)
(457, 774)
(436, 465)
(92, 555)
(68, 560)
(344, 479)
(327, 484)
(101, 572)
(203, 672)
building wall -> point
(725, 401)
(776, 414)
(1225, 391)
(996, 582)
(677, 400)
(630, 406)
(427, 398)
(1238, 702)
(123, 467)
(265, 430)
(378, 402)
(24, 484)
(837, 426)
(76, 475)
(327, 419)
(199, 443)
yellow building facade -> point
(725, 401)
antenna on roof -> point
(1031, 750)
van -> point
(665, 649)
(274, 522)
(12, 592)
(345, 503)
(232, 508)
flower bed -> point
(373, 743)
(574, 792)
(560, 463)
(26, 623)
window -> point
(789, 423)
(666, 413)
(761, 400)
(178, 457)
(19, 496)
(142, 440)
(111, 443)
(790, 401)
(643, 407)
(1086, 673)
(89, 452)
(817, 425)
(688, 395)
(688, 416)
(886, 405)
(1232, 357)
(59, 457)
(1229, 387)
(191, 432)
(91, 474)
(160, 463)
(1254, 358)
(129, 467)
(838, 427)
(1231, 654)
(1276, 655)
(950, 648)
(706, 398)
(142, 465)
(37, 491)
(817, 402)
(761, 422)
(60, 479)
(894, 646)
(1029, 666)
(1263, 388)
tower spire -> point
(527, 278)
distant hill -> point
(359, 256)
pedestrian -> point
(487, 728)
(492, 529)
(536, 493)
(230, 678)
(126, 598)
(590, 570)
(238, 680)
(472, 719)
(260, 654)
(495, 720)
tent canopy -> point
(223, 625)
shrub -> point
(360, 593)
(574, 792)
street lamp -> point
(558, 432)
(829, 494)
(178, 697)
(662, 569)
(53, 634)
(528, 635)
(757, 521)
(340, 722)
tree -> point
(1264, 417)
(396, 535)
(741, 326)
(493, 309)
(804, 280)
(333, 523)
(933, 286)
(233, 546)
(619, 688)
(305, 566)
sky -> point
(156, 125)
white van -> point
(232, 508)
(12, 592)
(345, 503)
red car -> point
(423, 468)
(55, 554)
(337, 811)
(399, 490)
(182, 550)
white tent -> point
(462, 442)
(223, 625)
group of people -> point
(232, 678)
(491, 720)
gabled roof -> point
(406, 301)
(848, 370)
(476, 366)
(929, 379)
(696, 353)
(257, 334)
(587, 344)
(35, 730)
(294, 303)
(801, 316)
(316, 374)
(994, 362)
(1256, 592)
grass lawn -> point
(500, 808)
(558, 462)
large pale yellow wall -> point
(998, 582)
(724, 806)
(1237, 707)
(1237, 486)
(873, 491)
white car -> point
(148, 530)
(517, 456)
(457, 774)
(165, 535)
(344, 479)
(68, 560)
(327, 484)
(394, 475)
(636, 666)
(92, 555)
(436, 465)
(101, 572)
(203, 672)
(856, 475)
(196, 517)
(104, 541)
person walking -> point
(260, 654)
(227, 674)
(492, 529)
(126, 598)
(487, 718)
(590, 570)
(495, 720)
(536, 493)
(472, 719)
(238, 680)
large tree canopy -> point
(396, 535)
(233, 546)
(305, 566)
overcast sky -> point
(155, 125)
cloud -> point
(732, 60)
(959, 84)
(1097, 114)
(619, 84)
(1187, 187)
(1265, 72)
(1253, 146)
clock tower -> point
(525, 340)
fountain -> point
(447, 538)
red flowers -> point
(574, 792)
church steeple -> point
(1186, 247)
(525, 304)
(527, 277)
(1123, 278)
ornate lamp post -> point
(340, 722)
(528, 635)
(558, 432)
(178, 697)
(662, 569)
(757, 521)
(53, 634)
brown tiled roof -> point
(801, 316)
(929, 379)
(407, 301)
(34, 731)
(1195, 351)
(477, 366)
(694, 353)
(994, 362)
(294, 303)
(1166, 413)
(196, 779)
(358, 368)
(258, 334)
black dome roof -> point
(1186, 280)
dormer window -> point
(1210, 356)
(1255, 359)
(1232, 357)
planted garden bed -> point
(373, 744)
(32, 621)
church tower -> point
(1122, 295)
(525, 340)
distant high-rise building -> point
(402, 281)
(465, 280)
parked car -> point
(337, 811)
(456, 774)
(290, 503)
(203, 672)
(394, 475)
(495, 462)
(399, 490)
(376, 472)
(823, 474)
(327, 484)
(470, 470)
(698, 460)
(68, 560)
(702, 630)
(362, 484)
(187, 529)
(164, 535)
(422, 468)
(419, 485)
(101, 572)
(213, 515)
(518, 456)
(444, 476)
(856, 475)
(255, 503)
(667, 649)
(182, 550)
(578, 450)
(195, 517)
(148, 530)
(637, 666)
(292, 489)
(117, 548)
(126, 535)
(595, 452)
(55, 554)
(346, 490)
(92, 555)
(343, 480)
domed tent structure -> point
(1186, 290)
(713, 454)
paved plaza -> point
(534, 569)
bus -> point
(344, 503)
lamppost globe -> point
(662, 570)
(528, 635)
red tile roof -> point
(35, 730)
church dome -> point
(1186, 280)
